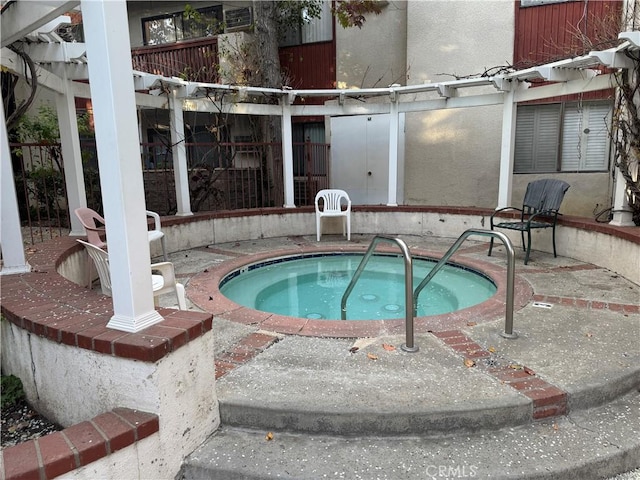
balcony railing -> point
(194, 60)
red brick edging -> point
(45, 304)
(48, 305)
(243, 351)
(79, 445)
(548, 400)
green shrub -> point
(12, 391)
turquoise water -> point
(312, 287)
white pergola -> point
(113, 87)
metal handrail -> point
(508, 323)
(408, 273)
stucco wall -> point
(589, 193)
(455, 150)
(452, 156)
(70, 385)
(375, 55)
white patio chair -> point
(94, 225)
(335, 203)
(164, 281)
(157, 233)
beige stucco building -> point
(451, 156)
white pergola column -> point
(287, 151)
(179, 154)
(112, 94)
(394, 123)
(505, 184)
(622, 214)
(71, 154)
(11, 246)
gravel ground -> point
(21, 423)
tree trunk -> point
(266, 45)
(266, 38)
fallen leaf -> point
(492, 349)
(388, 348)
(469, 363)
(372, 356)
(515, 366)
(269, 436)
(528, 371)
(353, 349)
(471, 324)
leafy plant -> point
(43, 127)
(12, 391)
(352, 13)
(44, 178)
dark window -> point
(174, 27)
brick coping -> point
(46, 304)
(81, 444)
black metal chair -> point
(539, 210)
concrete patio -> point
(561, 401)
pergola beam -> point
(23, 18)
(66, 52)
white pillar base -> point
(134, 325)
(26, 268)
(622, 218)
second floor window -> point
(311, 30)
(178, 26)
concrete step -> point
(316, 385)
(586, 444)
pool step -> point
(586, 444)
(453, 384)
(468, 404)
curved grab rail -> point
(508, 323)
(408, 346)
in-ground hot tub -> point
(312, 285)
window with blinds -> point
(586, 142)
(572, 137)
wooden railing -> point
(194, 60)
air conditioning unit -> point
(238, 19)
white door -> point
(360, 157)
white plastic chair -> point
(163, 282)
(335, 203)
(94, 225)
(157, 233)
